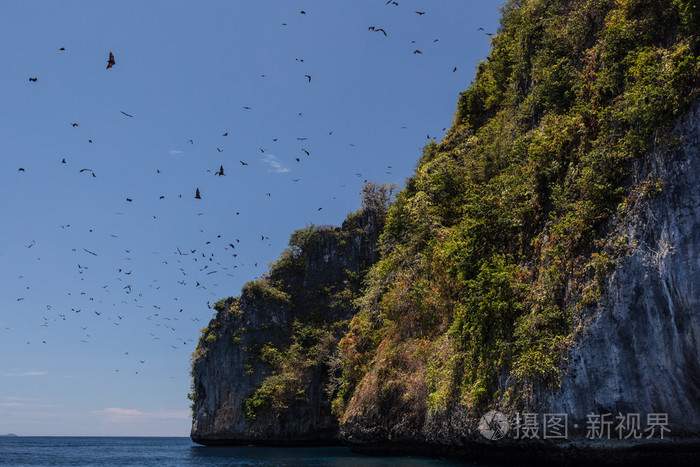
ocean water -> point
(173, 452)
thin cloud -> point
(274, 163)
(15, 401)
(175, 152)
(26, 404)
(28, 373)
(119, 415)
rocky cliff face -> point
(261, 369)
(639, 350)
(542, 259)
(636, 352)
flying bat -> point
(111, 62)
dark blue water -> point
(161, 452)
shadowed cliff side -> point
(263, 368)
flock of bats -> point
(205, 261)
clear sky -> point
(99, 311)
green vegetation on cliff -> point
(502, 236)
(285, 326)
(323, 312)
(497, 243)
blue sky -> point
(99, 312)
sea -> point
(174, 452)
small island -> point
(12, 435)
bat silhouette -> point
(111, 62)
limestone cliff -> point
(261, 368)
(543, 258)
(637, 351)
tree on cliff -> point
(377, 197)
